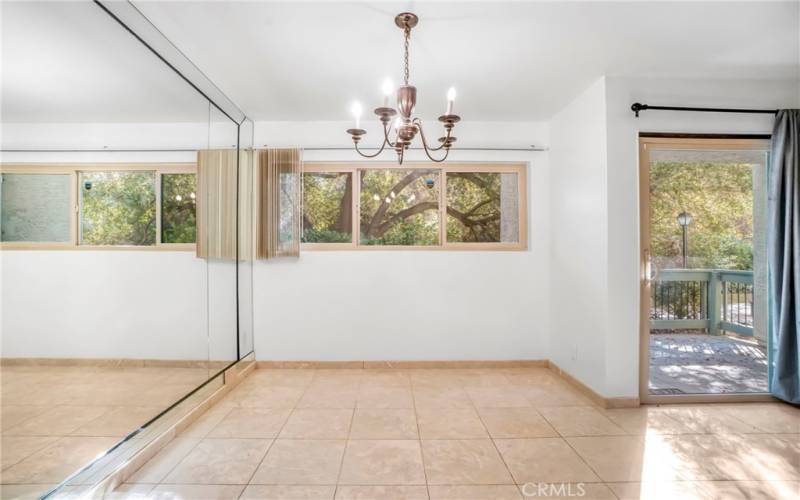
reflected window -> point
(117, 208)
(35, 208)
(178, 208)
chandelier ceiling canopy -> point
(400, 127)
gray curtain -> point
(784, 254)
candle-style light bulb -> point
(451, 97)
(357, 113)
(388, 88)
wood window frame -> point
(356, 169)
(74, 170)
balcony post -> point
(714, 302)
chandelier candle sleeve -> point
(405, 127)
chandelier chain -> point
(407, 31)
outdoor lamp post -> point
(684, 219)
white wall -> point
(604, 159)
(578, 248)
(115, 304)
(409, 305)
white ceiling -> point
(70, 62)
(509, 60)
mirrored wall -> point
(126, 245)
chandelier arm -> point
(429, 150)
(383, 146)
(418, 123)
(386, 128)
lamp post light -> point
(684, 219)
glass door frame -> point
(678, 142)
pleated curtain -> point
(279, 203)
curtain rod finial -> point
(637, 106)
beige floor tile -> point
(661, 490)
(11, 415)
(450, 424)
(157, 468)
(14, 449)
(507, 396)
(515, 423)
(281, 377)
(630, 458)
(479, 492)
(646, 420)
(736, 457)
(201, 427)
(580, 421)
(263, 423)
(371, 423)
(378, 462)
(219, 461)
(771, 418)
(288, 492)
(381, 492)
(386, 378)
(130, 492)
(464, 462)
(708, 419)
(317, 424)
(543, 460)
(318, 397)
(427, 397)
(268, 396)
(556, 395)
(196, 491)
(119, 421)
(746, 490)
(560, 491)
(55, 462)
(385, 397)
(300, 462)
(24, 491)
(60, 421)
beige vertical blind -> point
(278, 193)
(216, 204)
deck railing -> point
(712, 300)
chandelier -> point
(404, 127)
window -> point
(327, 207)
(178, 208)
(481, 207)
(117, 208)
(66, 206)
(35, 208)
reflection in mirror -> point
(115, 323)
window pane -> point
(178, 203)
(327, 207)
(482, 207)
(118, 208)
(400, 207)
(35, 207)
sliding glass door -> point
(704, 292)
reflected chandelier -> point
(405, 128)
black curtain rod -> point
(637, 107)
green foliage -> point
(719, 196)
(473, 206)
(118, 208)
(400, 207)
(178, 208)
(327, 209)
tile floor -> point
(466, 434)
(55, 419)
